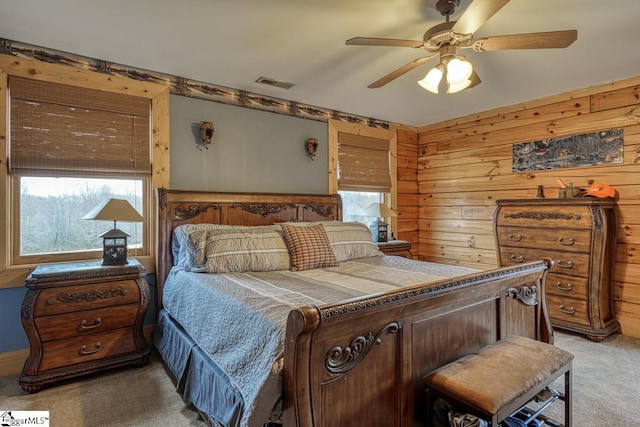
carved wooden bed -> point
(361, 361)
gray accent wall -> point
(251, 150)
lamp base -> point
(379, 230)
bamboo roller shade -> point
(65, 130)
(363, 163)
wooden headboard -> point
(177, 207)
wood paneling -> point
(407, 186)
(464, 165)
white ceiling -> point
(234, 42)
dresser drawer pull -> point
(83, 324)
(567, 288)
(561, 264)
(569, 242)
(97, 347)
(517, 259)
(514, 237)
(569, 311)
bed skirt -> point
(198, 379)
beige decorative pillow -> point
(242, 249)
(309, 247)
(350, 240)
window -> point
(51, 211)
(363, 174)
(70, 148)
(354, 203)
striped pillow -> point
(241, 249)
(309, 247)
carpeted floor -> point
(606, 389)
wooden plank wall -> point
(407, 180)
(464, 166)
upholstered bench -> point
(501, 378)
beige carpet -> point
(606, 391)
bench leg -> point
(568, 397)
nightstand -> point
(396, 247)
(82, 318)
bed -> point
(353, 339)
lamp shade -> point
(432, 79)
(114, 210)
(379, 210)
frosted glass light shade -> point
(453, 88)
(431, 80)
(458, 71)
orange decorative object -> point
(601, 190)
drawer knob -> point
(83, 324)
(562, 264)
(562, 287)
(517, 259)
(97, 346)
(514, 237)
(569, 242)
(571, 310)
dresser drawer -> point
(570, 263)
(86, 322)
(572, 240)
(558, 217)
(65, 299)
(568, 286)
(568, 310)
(82, 349)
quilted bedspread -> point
(239, 319)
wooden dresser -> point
(82, 318)
(579, 234)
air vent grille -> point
(273, 82)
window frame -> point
(12, 274)
(334, 127)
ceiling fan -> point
(447, 38)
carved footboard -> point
(361, 362)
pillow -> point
(188, 243)
(350, 240)
(309, 247)
(240, 249)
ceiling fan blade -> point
(548, 40)
(400, 71)
(373, 41)
(476, 15)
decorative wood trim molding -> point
(542, 216)
(187, 87)
(264, 209)
(192, 210)
(340, 360)
(525, 294)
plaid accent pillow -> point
(309, 247)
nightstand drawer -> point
(71, 351)
(563, 240)
(86, 322)
(65, 299)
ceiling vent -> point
(276, 83)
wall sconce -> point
(310, 147)
(206, 132)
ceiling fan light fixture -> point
(432, 80)
(457, 87)
(458, 71)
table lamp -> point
(114, 243)
(379, 228)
